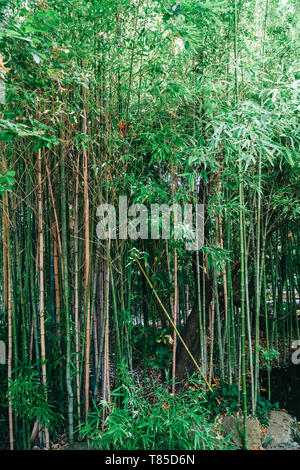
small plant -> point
(263, 408)
(6, 181)
(267, 356)
(156, 421)
(229, 402)
(228, 398)
(28, 398)
(158, 347)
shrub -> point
(154, 420)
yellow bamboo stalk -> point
(174, 326)
(42, 288)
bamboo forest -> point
(149, 229)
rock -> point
(282, 433)
(233, 425)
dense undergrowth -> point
(143, 420)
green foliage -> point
(158, 346)
(267, 356)
(229, 397)
(28, 398)
(153, 346)
(7, 181)
(263, 408)
(153, 420)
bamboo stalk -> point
(174, 327)
(42, 292)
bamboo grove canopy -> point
(163, 103)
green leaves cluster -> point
(7, 181)
(157, 421)
(28, 398)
